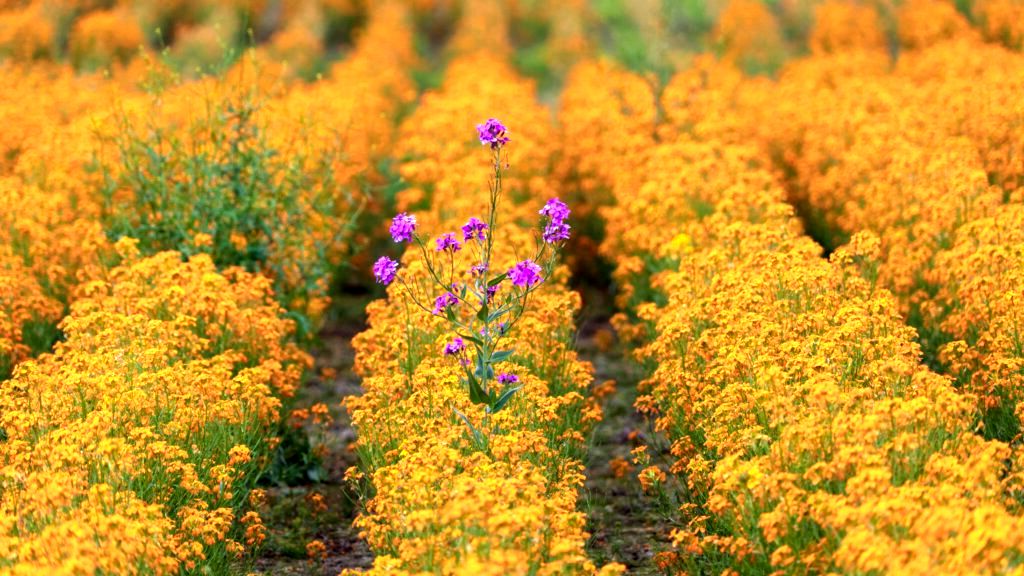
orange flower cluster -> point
(805, 432)
(942, 128)
(50, 238)
(105, 36)
(439, 503)
(922, 23)
(104, 33)
(129, 449)
(278, 170)
(1001, 21)
(792, 392)
(840, 25)
(979, 283)
(748, 33)
(607, 117)
(352, 109)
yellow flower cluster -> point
(798, 411)
(50, 238)
(298, 157)
(137, 440)
(104, 33)
(105, 36)
(129, 448)
(1001, 21)
(806, 435)
(439, 504)
(841, 25)
(922, 23)
(979, 282)
(607, 119)
(940, 127)
(352, 109)
(748, 33)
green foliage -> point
(218, 185)
(625, 41)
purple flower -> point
(556, 232)
(525, 274)
(455, 347)
(491, 291)
(448, 241)
(492, 132)
(442, 302)
(384, 270)
(555, 229)
(474, 229)
(555, 209)
(402, 227)
(478, 270)
(506, 378)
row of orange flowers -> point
(440, 499)
(805, 433)
(132, 448)
(926, 153)
(91, 33)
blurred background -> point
(645, 35)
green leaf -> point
(482, 314)
(477, 437)
(476, 393)
(449, 313)
(498, 279)
(497, 314)
(504, 398)
(501, 355)
(472, 339)
(481, 369)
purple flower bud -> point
(384, 270)
(402, 227)
(474, 228)
(448, 241)
(455, 347)
(507, 378)
(492, 132)
(525, 274)
(443, 302)
(478, 270)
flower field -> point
(489, 287)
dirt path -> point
(626, 525)
(294, 520)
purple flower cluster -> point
(402, 227)
(448, 241)
(525, 274)
(455, 347)
(507, 378)
(474, 228)
(492, 132)
(384, 270)
(556, 229)
(443, 302)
